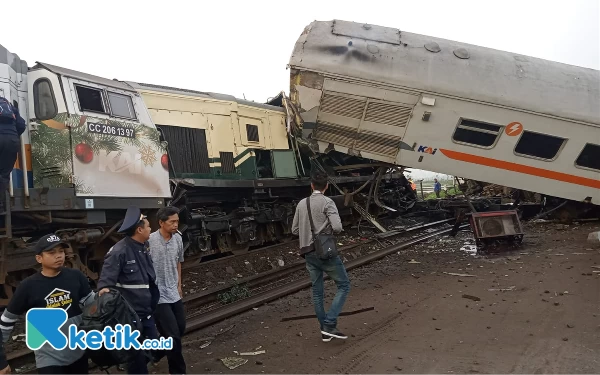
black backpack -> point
(109, 310)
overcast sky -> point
(243, 47)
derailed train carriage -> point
(92, 148)
(434, 104)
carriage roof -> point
(444, 67)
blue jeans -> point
(334, 268)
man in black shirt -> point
(128, 268)
(54, 287)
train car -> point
(236, 175)
(90, 150)
(434, 104)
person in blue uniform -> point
(128, 268)
(12, 125)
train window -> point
(90, 99)
(476, 133)
(121, 105)
(44, 102)
(589, 157)
(539, 145)
(252, 133)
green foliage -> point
(452, 191)
(236, 292)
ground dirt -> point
(427, 321)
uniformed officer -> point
(128, 268)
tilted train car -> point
(440, 105)
(236, 177)
(89, 151)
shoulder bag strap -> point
(312, 223)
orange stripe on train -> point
(520, 168)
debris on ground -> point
(259, 352)
(233, 362)
(503, 289)
(459, 274)
(473, 298)
(594, 237)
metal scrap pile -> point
(483, 189)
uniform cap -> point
(132, 217)
(48, 242)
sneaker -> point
(333, 332)
(326, 338)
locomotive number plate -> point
(115, 130)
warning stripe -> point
(520, 168)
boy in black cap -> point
(128, 268)
(55, 287)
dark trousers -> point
(80, 366)
(9, 148)
(170, 319)
(140, 364)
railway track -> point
(272, 285)
(256, 281)
(214, 315)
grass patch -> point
(236, 293)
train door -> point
(222, 138)
(48, 112)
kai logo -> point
(118, 162)
(427, 150)
(59, 298)
(513, 129)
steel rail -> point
(208, 296)
(235, 308)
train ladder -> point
(5, 218)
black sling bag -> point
(324, 244)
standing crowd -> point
(145, 268)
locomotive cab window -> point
(90, 99)
(537, 145)
(252, 133)
(44, 102)
(476, 133)
(121, 105)
(589, 157)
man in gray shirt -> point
(326, 220)
(166, 250)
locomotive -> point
(94, 146)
